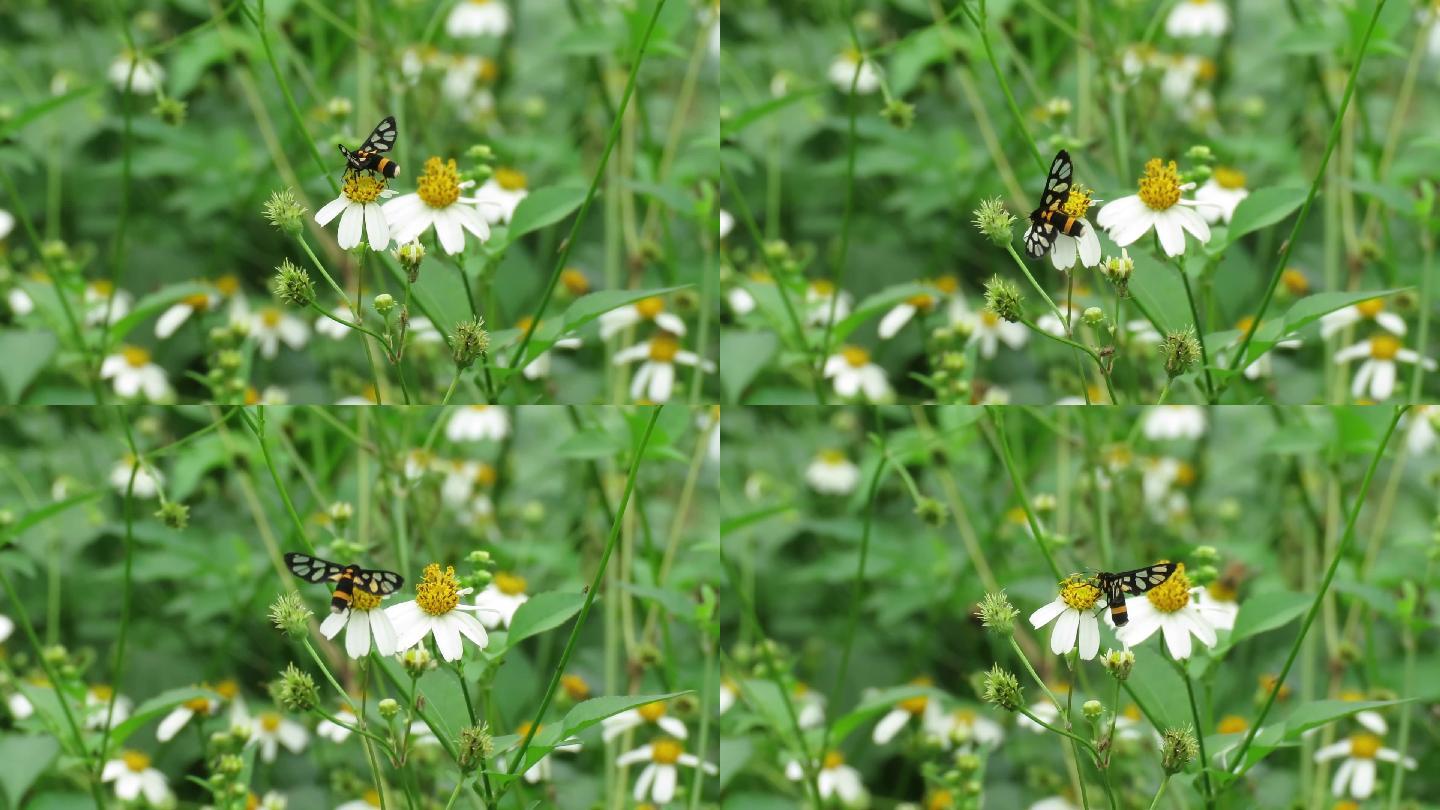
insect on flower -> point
(1046, 220)
(345, 577)
(1117, 586)
(369, 157)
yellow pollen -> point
(947, 284)
(102, 692)
(1370, 308)
(439, 183)
(575, 687)
(270, 721)
(102, 287)
(489, 71)
(198, 705)
(135, 761)
(663, 347)
(916, 705)
(1173, 593)
(510, 179)
(1232, 724)
(1295, 281)
(1184, 474)
(135, 356)
(1132, 712)
(666, 752)
(372, 797)
(1078, 203)
(1160, 187)
(252, 397)
(438, 593)
(1077, 592)
(1227, 177)
(652, 712)
(940, 800)
(510, 584)
(855, 356)
(833, 759)
(989, 318)
(822, 287)
(1016, 515)
(1384, 347)
(1364, 746)
(227, 689)
(198, 302)
(649, 307)
(364, 600)
(228, 285)
(1220, 591)
(270, 316)
(485, 475)
(1245, 323)
(923, 302)
(362, 188)
(575, 281)
(832, 458)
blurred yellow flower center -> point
(923, 302)
(228, 285)
(1221, 592)
(510, 179)
(1160, 187)
(198, 705)
(1185, 474)
(1227, 177)
(652, 711)
(135, 761)
(649, 307)
(947, 284)
(198, 302)
(575, 281)
(1132, 712)
(364, 600)
(850, 55)
(1232, 724)
(1384, 347)
(1364, 746)
(1351, 696)
(940, 800)
(832, 458)
(1295, 281)
(524, 323)
(102, 691)
(1077, 592)
(666, 752)
(252, 802)
(855, 356)
(1370, 308)
(801, 689)
(227, 689)
(1078, 203)
(135, 356)
(270, 316)
(488, 70)
(1347, 805)
(575, 687)
(965, 717)
(1206, 69)
(822, 287)
(485, 475)
(1245, 323)
(1200, 2)
(917, 704)
(663, 347)
(525, 727)
(362, 188)
(372, 797)
(439, 183)
(833, 759)
(1017, 516)
(252, 397)
(438, 593)
(479, 2)
(989, 318)
(510, 584)
(1172, 594)
(270, 721)
(102, 287)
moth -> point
(1128, 583)
(345, 577)
(1048, 219)
(370, 156)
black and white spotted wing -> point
(312, 569)
(1041, 233)
(1118, 586)
(380, 583)
(383, 138)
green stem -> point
(1155, 802)
(1199, 733)
(998, 418)
(258, 428)
(980, 24)
(295, 114)
(1199, 328)
(1104, 375)
(1024, 268)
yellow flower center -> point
(652, 712)
(479, 2)
(575, 687)
(1245, 323)
(524, 728)
(989, 318)
(663, 347)
(439, 183)
(227, 689)
(364, 600)
(965, 717)
(510, 179)
(1016, 515)
(1172, 594)
(1370, 308)
(1351, 696)
(822, 287)
(135, 356)
(510, 584)
(1295, 281)
(1160, 187)
(947, 284)
(252, 802)
(270, 316)
(1185, 474)
(489, 71)
(1227, 177)
(1347, 805)
(1364, 746)
(1079, 202)
(1384, 347)
(524, 323)
(923, 302)
(855, 356)
(1132, 712)
(438, 593)
(372, 797)
(1232, 724)
(832, 458)
(1078, 592)
(575, 281)
(1221, 592)
(135, 761)
(833, 760)
(916, 705)
(102, 692)
(228, 285)
(1200, 2)
(485, 475)
(666, 752)
(850, 55)
(940, 800)
(102, 287)
(270, 721)
(198, 705)
(649, 307)
(362, 187)
(252, 397)
(801, 689)
(1206, 70)
(198, 302)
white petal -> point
(1177, 638)
(1047, 613)
(447, 639)
(447, 228)
(889, 726)
(664, 783)
(1172, 238)
(332, 625)
(350, 224)
(662, 382)
(377, 226)
(1383, 383)
(331, 210)
(1362, 781)
(1062, 638)
(172, 319)
(1089, 637)
(357, 638)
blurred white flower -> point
(133, 776)
(649, 714)
(478, 18)
(1195, 18)
(148, 480)
(836, 780)
(269, 326)
(1224, 191)
(270, 730)
(499, 196)
(1174, 422)
(654, 381)
(657, 780)
(1372, 310)
(147, 77)
(646, 309)
(854, 374)
(477, 423)
(820, 298)
(334, 732)
(1376, 375)
(98, 304)
(944, 292)
(500, 599)
(131, 372)
(843, 73)
(922, 709)
(831, 473)
(1356, 775)
(990, 330)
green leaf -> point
(881, 701)
(153, 708)
(592, 444)
(25, 758)
(594, 710)
(37, 516)
(675, 603)
(542, 612)
(1157, 287)
(745, 353)
(592, 306)
(874, 305)
(37, 111)
(25, 353)
(1267, 611)
(152, 305)
(1264, 207)
(735, 124)
(542, 207)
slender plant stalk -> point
(1036, 532)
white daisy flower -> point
(7, 626)
(1086, 246)
(270, 730)
(843, 70)
(654, 381)
(855, 375)
(19, 302)
(646, 309)
(541, 771)
(836, 780)
(132, 373)
(133, 776)
(437, 202)
(461, 74)
(1377, 373)
(990, 330)
(1045, 710)
(809, 705)
(1372, 310)
(1356, 775)
(417, 464)
(1143, 333)
(649, 714)
(225, 287)
(820, 297)
(1172, 608)
(500, 195)
(97, 707)
(1419, 424)
(360, 211)
(539, 367)
(181, 715)
(370, 801)
(272, 325)
(1372, 721)
(1074, 612)
(98, 304)
(1158, 205)
(1224, 191)
(1218, 599)
(1182, 71)
(657, 780)
(831, 473)
(1262, 366)
(1197, 18)
(423, 333)
(1050, 324)
(436, 609)
(478, 18)
(1174, 422)
(148, 480)
(146, 79)
(1054, 803)
(330, 328)
(920, 708)
(728, 695)
(461, 479)
(965, 728)
(362, 622)
(334, 732)
(727, 220)
(500, 599)
(478, 423)
(945, 288)
(7, 223)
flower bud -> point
(1092, 709)
(1093, 316)
(417, 661)
(174, 515)
(1003, 689)
(899, 114)
(994, 221)
(292, 285)
(476, 746)
(284, 211)
(469, 340)
(931, 511)
(384, 303)
(1002, 297)
(290, 614)
(1178, 747)
(1181, 351)
(1118, 663)
(389, 707)
(997, 614)
(295, 691)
